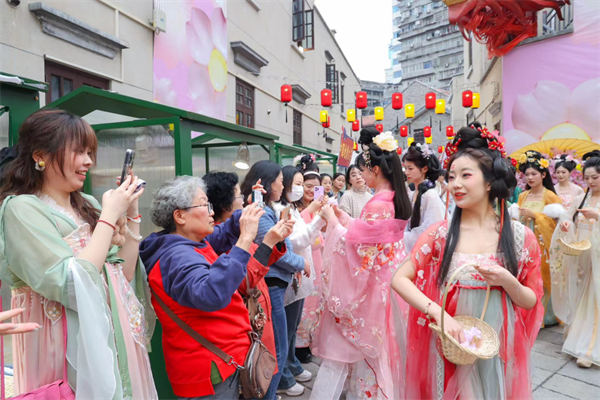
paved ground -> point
(555, 375)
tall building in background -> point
(425, 47)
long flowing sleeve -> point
(308, 233)
(432, 211)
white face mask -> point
(296, 193)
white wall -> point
(268, 31)
(24, 47)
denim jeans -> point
(293, 367)
(281, 337)
(227, 390)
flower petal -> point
(199, 35)
(198, 80)
(217, 68)
(516, 139)
(219, 29)
(583, 110)
(164, 93)
(541, 109)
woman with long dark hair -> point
(576, 279)
(280, 274)
(506, 256)
(539, 208)
(422, 169)
(564, 165)
(338, 186)
(353, 335)
(73, 264)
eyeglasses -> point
(208, 206)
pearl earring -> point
(40, 165)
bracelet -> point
(426, 312)
(107, 223)
(137, 238)
(136, 220)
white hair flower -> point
(386, 141)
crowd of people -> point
(357, 276)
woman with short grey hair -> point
(200, 287)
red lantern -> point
(356, 126)
(467, 98)
(328, 123)
(440, 149)
(397, 101)
(404, 131)
(326, 98)
(430, 100)
(449, 131)
(286, 93)
(399, 150)
(361, 100)
(427, 131)
(379, 127)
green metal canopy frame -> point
(20, 100)
(86, 99)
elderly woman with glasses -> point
(200, 287)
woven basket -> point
(453, 351)
(450, 3)
(574, 249)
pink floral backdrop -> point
(551, 88)
(190, 59)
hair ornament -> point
(367, 158)
(386, 141)
(533, 158)
(428, 184)
(424, 150)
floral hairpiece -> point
(530, 157)
(425, 150)
(386, 141)
(568, 158)
(492, 142)
(367, 156)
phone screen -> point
(319, 192)
(127, 164)
(257, 197)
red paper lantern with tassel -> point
(356, 126)
(397, 101)
(430, 101)
(427, 131)
(399, 150)
(449, 131)
(379, 127)
(467, 98)
(328, 123)
(286, 93)
(440, 149)
(404, 131)
(361, 100)
(326, 98)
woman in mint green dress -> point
(65, 257)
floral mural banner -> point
(551, 89)
(190, 59)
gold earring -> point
(40, 165)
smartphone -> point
(141, 184)
(127, 164)
(257, 197)
(285, 214)
(319, 192)
(295, 285)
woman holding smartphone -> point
(72, 264)
(301, 295)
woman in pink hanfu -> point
(505, 255)
(354, 336)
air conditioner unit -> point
(418, 13)
(447, 65)
(418, 22)
(429, 37)
(408, 4)
(460, 62)
(412, 45)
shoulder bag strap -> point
(195, 335)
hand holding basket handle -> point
(451, 347)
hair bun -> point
(594, 153)
(504, 179)
(367, 135)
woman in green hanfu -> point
(65, 257)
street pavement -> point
(556, 375)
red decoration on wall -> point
(427, 131)
(379, 127)
(404, 131)
(356, 126)
(430, 100)
(286, 93)
(361, 100)
(397, 101)
(399, 150)
(467, 98)
(326, 98)
(449, 130)
(500, 25)
(328, 123)
(440, 149)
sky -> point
(364, 30)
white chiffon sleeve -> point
(432, 211)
